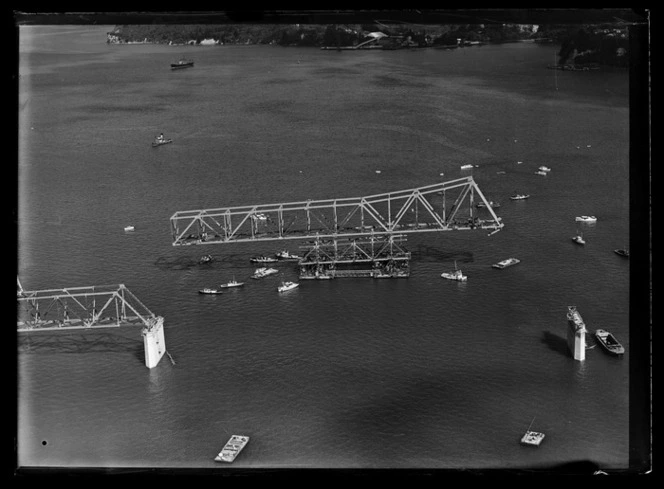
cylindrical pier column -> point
(154, 342)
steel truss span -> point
(444, 206)
(102, 306)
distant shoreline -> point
(579, 45)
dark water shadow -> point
(429, 254)
(59, 342)
(556, 343)
(396, 418)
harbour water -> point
(411, 373)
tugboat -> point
(455, 275)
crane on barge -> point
(345, 234)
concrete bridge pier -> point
(154, 341)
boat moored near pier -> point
(609, 342)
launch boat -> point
(609, 342)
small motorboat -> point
(540, 172)
(232, 283)
(129, 228)
(259, 217)
(285, 255)
(609, 342)
(624, 252)
(586, 219)
(262, 259)
(159, 140)
(579, 240)
(544, 169)
(481, 205)
(232, 448)
(182, 63)
(286, 286)
(455, 275)
(205, 259)
(207, 290)
(466, 167)
(519, 196)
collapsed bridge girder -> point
(100, 306)
(422, 209)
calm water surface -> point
(419, 372)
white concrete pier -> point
(154, 342)
(576, 334)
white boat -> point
(264, 272)
(129, 228)
(232, 283)
(455, 275)
(540, 172)
(262, 259)
(205, 259)
(506, 263)
(232, 448)
(207, 290)
(579, 239)
(466, 167)
(519, 196)
(286, 286)
(586, 219)
(259, 217)
(544, 168)
(285, 255)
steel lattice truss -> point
(355, 250)
(101, 306)
(444, 206)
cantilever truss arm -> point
(101, 306)
(422, 209)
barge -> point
(232, 448)
(506, 263)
